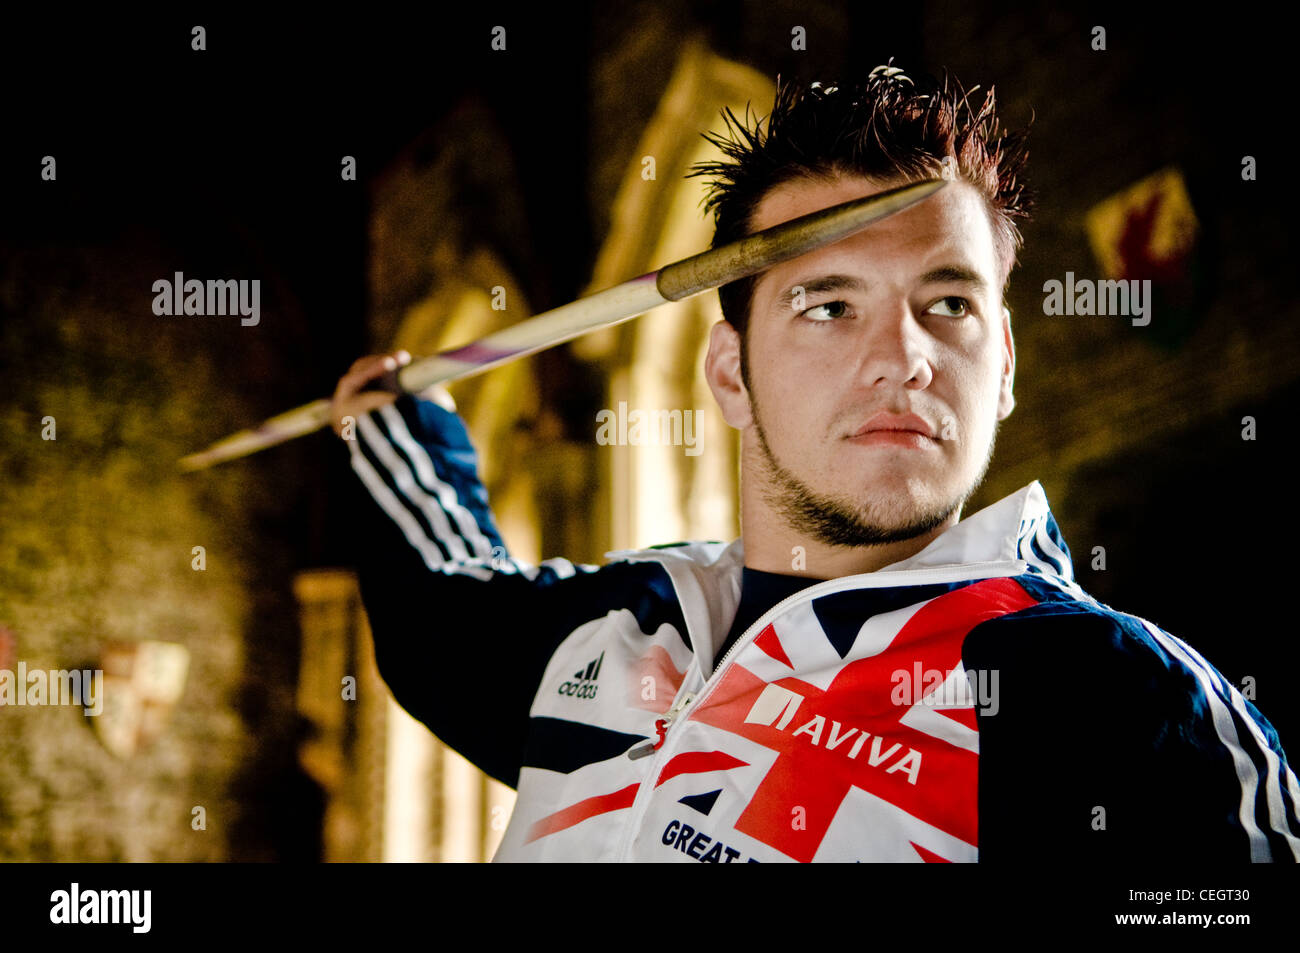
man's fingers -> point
(357, 405)
(348, 401)
(366, 369)
(359, 374)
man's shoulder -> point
(704, 554)
(1133, 677)
(1104, 652)
(1074, 621)
(1112, 711)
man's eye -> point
(960, 306)
(827, 312)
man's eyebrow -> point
(821, 285)
(947, 274)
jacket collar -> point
(1018, 531)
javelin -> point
(681, 279)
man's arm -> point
(1113, 742)
(462, 631)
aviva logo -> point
(776, 707)
(584, 681)
(775, 702)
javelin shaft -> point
(674, 282)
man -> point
(863, 675)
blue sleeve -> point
(1216, 736)
(462, 631)
(1114, 742)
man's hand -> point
(350, 401)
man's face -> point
(899, 329)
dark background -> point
(226, 163)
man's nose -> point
(893, 348)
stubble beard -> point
(837, 522)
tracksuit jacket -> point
(969, 703)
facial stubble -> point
(838, 522)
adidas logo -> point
(584, 681)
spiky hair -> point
(882, 126)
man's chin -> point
(887, 518)
(898, 498)
(905, 519)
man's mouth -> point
(884, 424)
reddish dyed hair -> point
(883, 126)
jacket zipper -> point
(661, 728)
(993, 570)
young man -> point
(863, 675)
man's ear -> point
(722, 370)
(1006, 400)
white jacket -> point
(969, 703)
